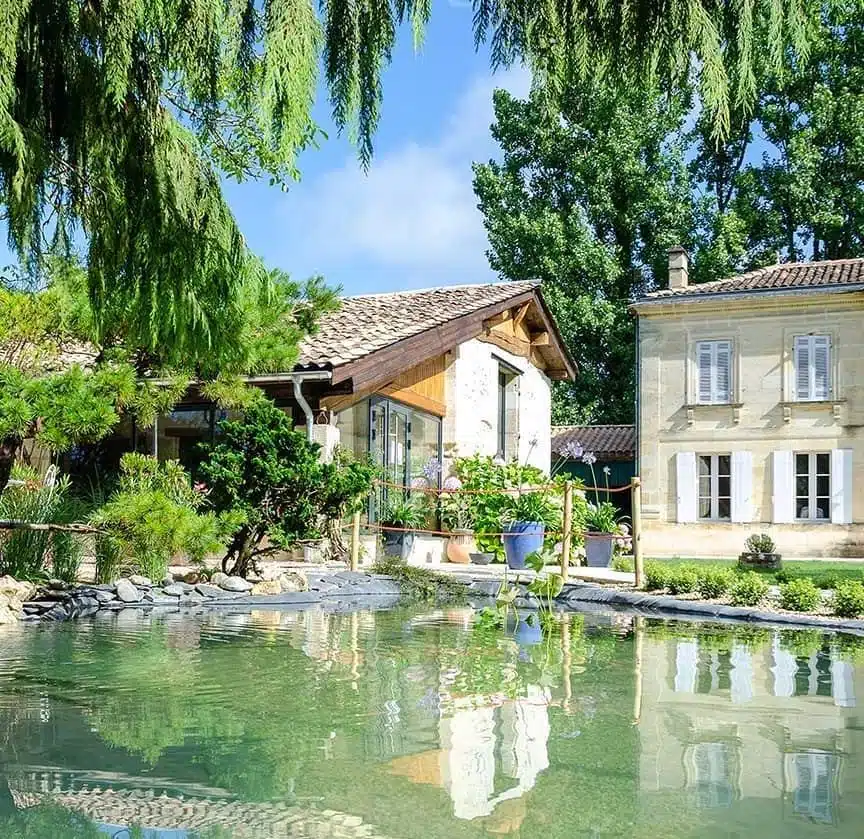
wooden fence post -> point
(355, 541)
(636, 498)
(568, 530)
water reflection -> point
(415, 724)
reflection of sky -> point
(117, 831)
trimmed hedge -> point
(800, 596)
(849, 599)
(748, 590)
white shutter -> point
(783, 487)
(704, 365)
(841, 486)
(742, 487)
(687, 487)
(723, 372)
(821, 345)
(802, 367)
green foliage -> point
(602, 518)
(714, 582)
(33, 554)
(269, 479)
(531, 506)
(421, 584)
(591, 191)
(799, 596)
(478, 474)
(760, 543)
(403, 512)
(152, 517)
(159, 101)
(748, 589)
(657, 576)
(683, 579)
(848, 601)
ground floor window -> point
(813, 486)
(403, 442)
(715, 486)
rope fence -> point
(427, 490)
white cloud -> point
(415, 210)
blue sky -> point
(411, 221)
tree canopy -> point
(118, 120)
(588, 196)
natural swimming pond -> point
(414, 724)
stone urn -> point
(770, 562)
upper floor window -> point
(812, 368)
(714, 372)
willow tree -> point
(118, 119)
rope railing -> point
(496, 490)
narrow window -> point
(715, 486)
(714, 372)
(502, 413)
(812, 368)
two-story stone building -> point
(751, 410)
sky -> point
(411, 221)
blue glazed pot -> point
(525, 634)
(522, 538)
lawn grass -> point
(823, 574)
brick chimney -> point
(679, 264)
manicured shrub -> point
(760, 543)
(848, 599)
(748, 589)
(714, 582)
(683, 579)
(799, 595)
(656, 575)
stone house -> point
(750, 404)
(409, 378)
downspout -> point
(304, 405)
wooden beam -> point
(541, 339)
(520, 315)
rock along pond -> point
(415, 724)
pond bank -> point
(346, 590)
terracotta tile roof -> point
(605, 441)
(782, 277)
(368, 323)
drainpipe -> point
(297, 380)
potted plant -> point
(603, 530)
(403, 515)
(524, 520)
(760, 552)
(456, 518)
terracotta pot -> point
(460, 546)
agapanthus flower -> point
(589, 458)
(572, 451)
(419, 483)
(607, 471)
(452, 483)
(432, 470)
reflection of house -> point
(727, 726)
(490, 753)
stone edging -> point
(59, 603)
(581, 593)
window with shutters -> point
(714, 372)
(813, 486)
(812, 357)
(715, 486)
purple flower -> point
(589, 458)
(432, 470)
(607, 471)
(572, 451)
(419, 483)
(452, 483)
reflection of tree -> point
(47, 822)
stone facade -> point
(471, 422)
(761, 418)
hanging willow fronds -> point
(118, 117)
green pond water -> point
(414, 724)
